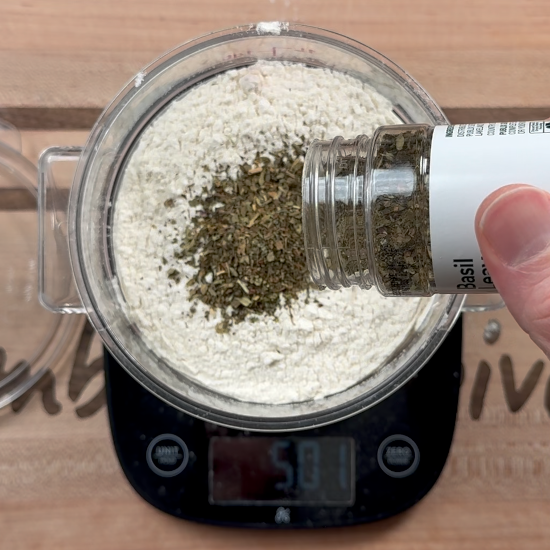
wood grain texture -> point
(80, 118)
(77, 54)
(61, 486)
(139, 25)
(60, 483)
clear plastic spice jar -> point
(397, 211)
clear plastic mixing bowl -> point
(95, 289)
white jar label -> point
(467, 163)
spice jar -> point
(397, 211)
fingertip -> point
(495, 196)
(512, 226)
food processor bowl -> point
(96, 288)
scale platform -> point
(363, 469)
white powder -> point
(314, 350)
(271, 27)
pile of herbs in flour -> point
(245, 242)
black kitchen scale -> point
(366, 468)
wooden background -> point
(60, 484)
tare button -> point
(167, 455)
(398, 456)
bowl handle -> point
(56, 287)
(483, 302)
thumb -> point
(513, 230)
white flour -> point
(324, 347)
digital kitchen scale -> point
(362, 469)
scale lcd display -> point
(276, 471)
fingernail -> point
(517, 224)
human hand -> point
(513, 231)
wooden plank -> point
(463, 79)
(59, 118)
(510, 114)
(74, 54)
(139, 25)
(50, 118)
(16, 199)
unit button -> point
(167, 455)
(398, 456)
